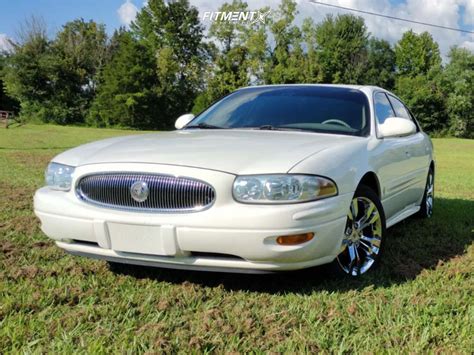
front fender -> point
(345, 164)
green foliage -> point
(425, 99)
(312, 69)
(418, 73)
(458, 86)
(417, 54)
(239, 56)
(54, 80)
(284, 63)
(164, 66)
(26, 74)
(173, 34)
(380, 69)
(342, 49)
(230, 65)
(126, 95)
(7, 103)
(79, 51)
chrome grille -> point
(166, 193)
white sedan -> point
(269, 178)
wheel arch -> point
(371, 180)
(432, 166)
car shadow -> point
(412, 246)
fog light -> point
(294, 239)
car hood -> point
(232, 151)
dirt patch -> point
(9, 253)
(7, 247)
(28, 272)
(17, 206)
(409, 269)
(163, 305)
(15, 197)
(32, 160)
(27, 224)
(151, 327)
(459, 266)
(43, 245)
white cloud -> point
(5, 45)
(127, 12)
(468, 45)
(468, 11)
(442, 12)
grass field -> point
(421, 299)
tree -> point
(230, 64)
(238, 57)
(418, 65)
(6, 102)
(126, 95)
(380, 70)
(79, 51)
(458, 87)
(286, 59)
(55, 80)
(173, 33)
(425, 99)
(312, 69)
(342, 52)
(27, 71)
(417, 54)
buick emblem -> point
(139, 191)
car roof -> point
(368, 89)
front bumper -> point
(229, 236)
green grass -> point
(421, 299)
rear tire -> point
(364, 235)
(426, 207)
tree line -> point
(166, 64)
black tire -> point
(363, 244)
(426, 207)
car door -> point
(392, 159)
(418, 154)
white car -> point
(269, 178)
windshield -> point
(309, 108)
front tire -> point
(364, 234)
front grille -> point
(165, 193)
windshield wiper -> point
(269, 127)
(204, 126)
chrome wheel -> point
(362, 237)
(429, 195)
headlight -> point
(286, 188)
(59, 176)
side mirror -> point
(396, 127)
(183, 120)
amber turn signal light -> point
(294, 239)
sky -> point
(115, 13)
